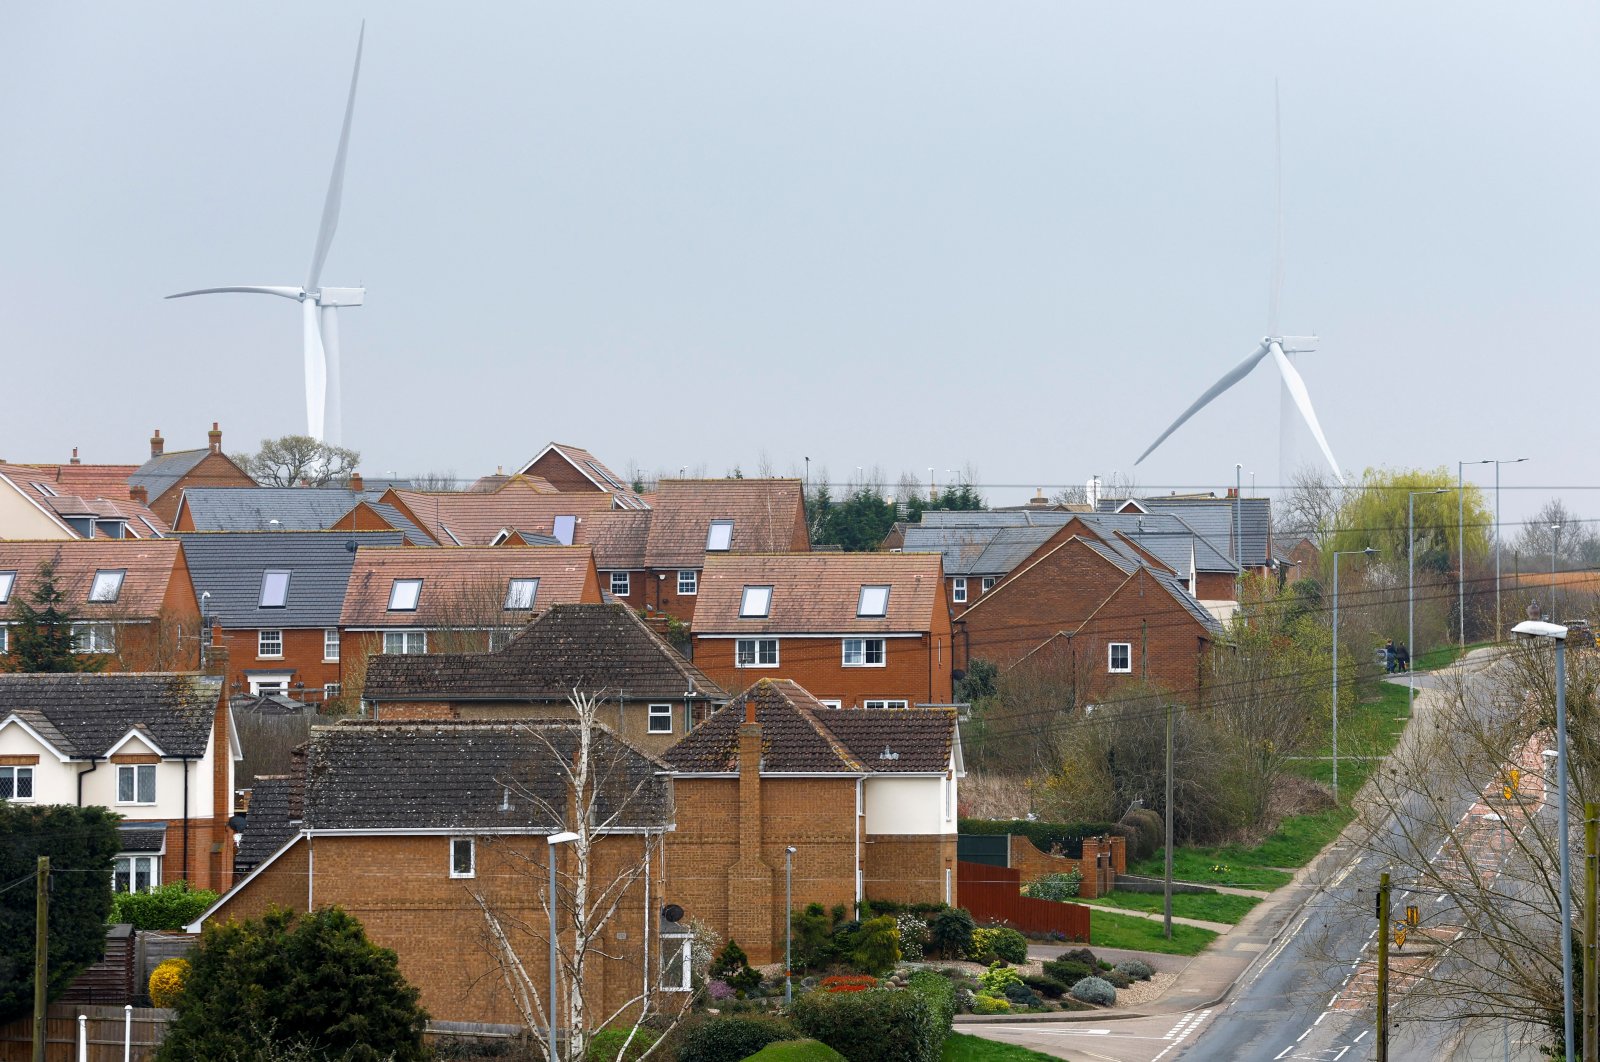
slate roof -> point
(818, 593)
(600, 649)
(1213, 519)
(86, 714)
(274, 817)
(229, 565)
(149, 565)
(160, 474)
(254, 508)
(465, 585)
(800, 735)
(470, 776)
(767, 514)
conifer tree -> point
(42, 637)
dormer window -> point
(274, 589)
(720, 538)
(7, 581)
(520, 594)
(107, 585)
(112, 528)
(874, 601)
(756, 602)
(403, 594)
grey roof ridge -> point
(508, 725)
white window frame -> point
(283, 599)
(472, 857)
(755, 652)
(958, 589)
(330, 641)
(861, 601)
(862, 657)
(137, 772)
(677, 955)
(15, 773)
(412, 592)
(331, 691)
(881, 703)
(500, 638)
(264, 642)
(659, 713)
(5, 639)
(514, 599)
(747, 602)
(131, 860)
(94, 637)
(988, 583)
(405, 641)
(1111, 658)
(688, 582)
(8, 580)
(830, 702)
(107, 585)
(712, 537)
(626, 584)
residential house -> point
(434, 870)
(352, 508)
(73, 501)
(856, 629)
(653, 695)
(132, 603)
(158, 749)
(162, 480)
(1241, 528)
(866, 799)
(574, 470)
(272, 601)
(519, 512)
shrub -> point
(1055, 886)
(166, 981)
(733, 966)
(982, 947)
(995, 979)
(876, 945)
(170, 906)
(913, 936)
(1020, 995)
(1116, 978)
(940, 994)
(950, 932)
(812, 937)
(1067, 971)
(1095, 990)
(607, 1044)
(732, 1038)
(1137, 969)
(1009, 945)
(982, 1004)
(879, 1025)
(1085, 956)
(1048, 987)
(1148, 833)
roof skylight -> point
(403, 594)
(7, 580)
(565, 527)
(720, 537)
(756, 602)
(274, 589)
(107, 585)
(874, 601)
(520, 594)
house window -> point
(520, 594)
(403, 594)
(274, 589)
(94, 637)
(830, 702)
(331, 692)
(958, 590)
(5, 639)
(498, 640)
(756, 602)
(988, 583)
(621, 585)
(463, 857)
(755, 652)
(675, 961)
(883, 704)
(16, 783)
(7, 581)
(269, 645)
(660, 719)
(330, 645)
(688, 582)
(405, 643)
(270, 683)
(874, 601)
(1119, 657)
(720, 537)
(107, 585)
(135, 873)
(863, 652)
(136, 783)
(564, 528)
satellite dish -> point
(672, 913)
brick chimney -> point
(750, 783)
(140, 495)
(1038, 501)
(750, 879)
(75, 456)
(158, 446)
(355, 482)
(215, 435)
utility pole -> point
(41, 954)
(1166, 813)
(1591, 1012)
(1383, 967)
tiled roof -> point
(274, 817)
(149, 565)
(86, 714)
(592, 469)
(800, 735)
(617, 537)
(599, 649)
(465, 518)
(230, 565)
(767, 516)
(84, 490)
(464, 585)
(470, 776)
(160, 474)
(1213, 518)
(819, 592)
(255, 508)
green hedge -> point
(170, 906)
(730, 1038)
(1046, 835)
(797, 1051)
(940, 995)
(878, 1025)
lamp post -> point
(1497, 464)
(1368, 552)
(554, 839)
(788, 925)
(1558, 634)
(1411, 589)
(1461, 546)
(1555, 547)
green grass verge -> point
(796, 1051)
(1108, 930)
(1208, 907)
(1226, 865)
(959, 1047)
(1434, 659)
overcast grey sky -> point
(1021, 235)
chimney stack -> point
(75, 456)
(157, 445)
(140, 495)
(215, 435)
(1038, 501)
(356, 483)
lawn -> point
(796, 1051)
(1108, 930)
(1208, 907)
(959, 1047)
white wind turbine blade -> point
(316, 369)
(1275, 292)
(1295, 387)
(1234, 375)
(249, 289)
(333, 420)
(330, 206)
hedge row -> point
(1047, 835)
(880, 1024)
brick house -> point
(132, 600)
(412, 859)
(158, 749)
(272, 600)
(574, 470)
(1240, 528)
(867, 798)
(162, 479)
(73, 501)
(519, 509)
(654, 696)
(352, 508)
(856, 629)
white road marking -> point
(1358, 1039)
(1280, 1054)
(1302, 1036)
(1324, 1014)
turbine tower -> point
(319, 306)
(1294, 398)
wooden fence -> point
(994, 894)
(106, 1027)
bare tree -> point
(299, 460)
(438, 481)
(1556, 529)
(1311, 507)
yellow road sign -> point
(1399, 936)
(1413, 915)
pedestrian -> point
(1389, 657)
(1402, 658)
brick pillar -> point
(1089, 866)
(1119, 855)
(750, 882)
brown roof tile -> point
(149, 564)
(818, 593)
(465, 586)
(768, 517)
(618, 537)
(475, 519)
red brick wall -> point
(302, 653)
(916, 670)
(662, 594)
(1214, 586)
(635, 598)
(214, 470)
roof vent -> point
(505, 799)
(888, 754)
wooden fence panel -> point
(105, 1029)
(993, 894)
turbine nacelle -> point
(340, 296)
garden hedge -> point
(879, 1025)
(731, 1038)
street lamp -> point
(1368, 552)
(1558, 634)
(788, 925)
(565, 837)
(1411, 590)
(1461, 546)
(1555, 547)
(1497, 464)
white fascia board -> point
(40, 738)
(233, 734)
(468, 831)
(199, 923)
(144, 737)
(833, 634)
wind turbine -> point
(319, 306)
(1279, 348)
